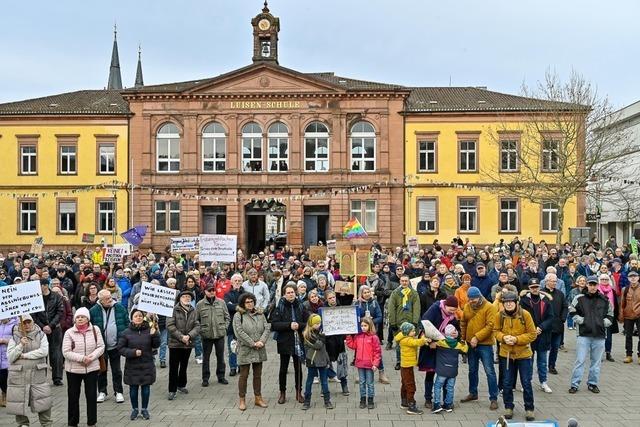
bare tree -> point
(559, 148)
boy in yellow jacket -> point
(409, 346)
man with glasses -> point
(593, 314)
(404, 306)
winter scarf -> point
(446, 316)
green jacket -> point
(122, 318)
(398, 314)
(214, 318)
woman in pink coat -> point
(368, 356)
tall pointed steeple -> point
(115, 78)
(139, 80)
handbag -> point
(101, 359)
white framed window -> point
(214, 148)
(168, 148)
(509, 215)
(28, 160)
(363, 147)
(252, 148)
(316, 148)
(467, 215)
(426, 156)
(549, 217)
(550, 157)
(107, 159)
(427, 215)
(365, 211)
(68, 160)
(468, 156)
(508, 155)
(278, 150)
(28, 216)
(67, 216)
(106, 216)
(167, 216)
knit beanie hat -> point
(406, 328)
(451, 301)
(314, 319)
(473, 292)
(448, 330)
(82, 311)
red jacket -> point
(367, 348)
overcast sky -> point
(49, 47)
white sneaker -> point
(335, 380)
(199, 360)
(101, 397)
(545, 387)
(119, 398)
(316, 380)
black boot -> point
(609, 358)
(327, 401)
(404, 404)
(345, 388)
(363, 403)
(370, 404)
(306, 404)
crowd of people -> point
(435, 307)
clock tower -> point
(265, 36)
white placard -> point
(339, 320)
(21, 299)
(331, 247)
(113, 254)
(413, 246)
(185, 244)
(126, 247)
(414, 282)
(218, 247)
(157, 299)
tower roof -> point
(115, 78)
(139, 80)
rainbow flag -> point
(353, 229)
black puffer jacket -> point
(593, 314)
(281, 324)
(139, 370)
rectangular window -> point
(509, 215)
(427, 215)
(252, 154)
(106, 216)
(363, 154)
(467, 215)
(549, 217)
(365, 212)
(68, 160)
(106, 159)
(508, 155)
(278, 154)
(316, 154)
(28, 216)
(426, 156)
(169, 153)
(550, 157)
(213, 153)
(28, 160)
(167, 216)
(468, 156)
(67, 216)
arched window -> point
(278, 137)
(214, 145)
(168, 148)
(363, 147)
(251, 147)
(316, 148)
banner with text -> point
(113, 254)
(157, 299)
(21, 299)
(185, 244)
(331, 247)
(339, 320)
(218, 247)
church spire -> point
(139, 80)
(115, 78)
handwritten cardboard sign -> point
(218, 247)
(363, 263)
(318, 253)
(347, 263)
(185, 244)
(413, 245)
(21, 299)
(113, 254)
(36, 246)
(339, 320)
(88, 238)
(331, 247)
(342, 287)
(157, 299)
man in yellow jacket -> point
(515, 331)
(477, 330)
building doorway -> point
(214, 220)
(316, 225)
(265, 225)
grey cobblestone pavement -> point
(618, 404)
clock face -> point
(264, 24)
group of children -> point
(368, 355)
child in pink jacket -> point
(368, 356)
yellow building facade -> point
(455, 138)
(62, 155)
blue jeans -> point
(366, 382)
(145, 391)
(484, 354)
(450, 385)
(324, 383)
(570, 323)
(556, 339)
(608, 341)
(233, 357)
(523, 367)
(541, 362)
(198, 346)
(162, 352)
(595, 348)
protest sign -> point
(36, 246)
(185, 244)
(318, 253)
(414, 282)
(342, 287)
(431, 331)
(157, 299)
(113, 254)
(413, 245)
(347, 263)
(363, 263)
(88, 238)
(339, 320)
(20, 299)
(126, 248)
(344, 246)
(331, 247)
(218, 247)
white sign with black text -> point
(218, 247)
(157, 299)
(21, 299)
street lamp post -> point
(410, 209)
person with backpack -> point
(317, 360)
